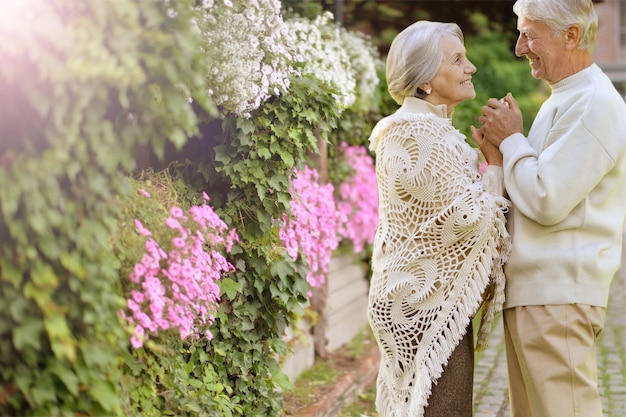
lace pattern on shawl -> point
(438, 254)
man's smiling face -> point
(544, 49)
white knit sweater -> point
(567, 181)
(438, 253)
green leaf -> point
(43, 276)
(73, 263)
(282, 269)
(264, 153)
(230, 287)
(59, 333)
(67, 376)
(95, 356)
(194, 383)
(282, 380)
(43, 391)
(56, 326)
(287, 158)
(41, 297)
(217, 387)
(28, 334)
(11, 272)
(221, 154)
(260, 190)
(178, 138)
(103, 392)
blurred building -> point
(610, 50)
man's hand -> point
(500, 119)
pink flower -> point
(132, 306)
(144, 193)
(137, 296)
(358, 198)
(173, 286)
(136, 342)
(134, 277)
(173, 223)
(142, 230)
(312, 227)
(139, 331)
(176, 212)
(140, 269)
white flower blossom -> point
(364, 59)
(319, 43)
(251, 52)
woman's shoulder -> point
(408, 124)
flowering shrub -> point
(249, 46)
(363, 59)
(173, 285)
(312, 227)
(358, 198)
(320, 44)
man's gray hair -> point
(415, 56)
(560, 14)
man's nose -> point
(521, 47)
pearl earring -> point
(428, 91)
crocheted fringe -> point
(449, 339)
(494, 298)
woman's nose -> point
(471, 68)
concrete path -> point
(490, 378)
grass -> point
(363, 405)
(322, 377)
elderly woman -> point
(441, 239)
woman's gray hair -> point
(415, 57)
(560, 14)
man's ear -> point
(572, 36)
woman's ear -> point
(425, 88)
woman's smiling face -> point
(453, 82)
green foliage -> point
(256, 158)
(355, 126)
(305, 8)
(117, 74)
(168, 376)
(258, 155)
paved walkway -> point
(490, 379)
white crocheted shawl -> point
(438, 253)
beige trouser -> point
(551, 359)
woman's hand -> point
(492, 154)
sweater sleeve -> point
(546, 187)
(493, 180)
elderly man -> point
(567, 184)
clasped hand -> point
(499, 120)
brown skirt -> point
(452, 395)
